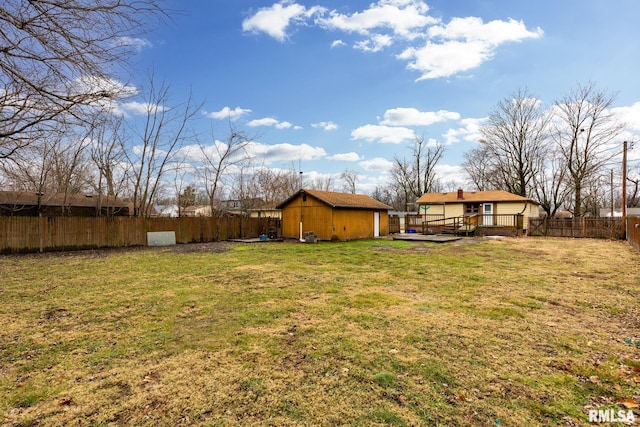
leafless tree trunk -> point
(163, 133)
(426, 157)
(322, 183)
(108, 155)
(51, 166)
(402, 181)
(350, 178)
(550, 188)
(633, 191)
(515, 137)
(218, 159)
(416, 176)
(477, 167)
(584, 132)
(58, 57)
(274, 186)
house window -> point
(471, 208)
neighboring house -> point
(266, 211)
(24, 203)
(166, 211)
(617, 212)
(333, 216)
(194, 211)
(494, 208)
(240, 207)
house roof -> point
(341, 200)
(471, 197)
(26, 198)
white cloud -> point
(630, 115)
(284, 152)
(446, 59)
(451, 174)
(493, 33)
(275, 20)
(384, 134)
(376, 165)
(97, 85)
(141, 108)
(374, 44)
(270, 121)
(194, 153)
(346, 157)
(466, 44)
(470, 131)
(401, 17)
(228, 114)
(325, 125)
(444, 50)
(137, 43)
(415, 117)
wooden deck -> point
(416, 237)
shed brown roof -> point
(341, 200)
(471, 196)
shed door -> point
(487, 212)
(376, 224)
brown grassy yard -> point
(510, 332)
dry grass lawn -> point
(486, 332)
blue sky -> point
(329, 86)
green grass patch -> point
(380, 332)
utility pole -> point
(624, 187)
(624, 179)
(611, 201)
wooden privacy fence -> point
(602, 228)
(633, 231)
(33, 234)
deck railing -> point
(468, 224)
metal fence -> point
(39, 234)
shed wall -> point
(329, 223)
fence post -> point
(40, 237)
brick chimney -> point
(460, 194)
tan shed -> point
(333, 216)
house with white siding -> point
(490, 211)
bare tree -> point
(218, 159)
(52, 166)
(350, 177)
(186, 198)
(417, 176)
(477, 167)
(549, 184)
(426, 155)
(274, 186)
(163, 132)
(515, 137)
(402, 182)
(387, 194)
(322, 183)
(633, 196)
(584, 132)
(58, 57)
(108, 154)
